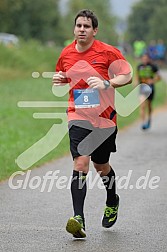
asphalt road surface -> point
(33, 219)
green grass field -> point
(19, 130)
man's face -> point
(83, 30)
(145, 59)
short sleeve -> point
(118, 65)
(59, 65)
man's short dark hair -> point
(88, 14)
(146, 54)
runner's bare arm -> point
(118, 81)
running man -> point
(93, 70)
(147, 73)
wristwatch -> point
(106, 84)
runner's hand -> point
(95, 82)
(150, 81)
(58, 78)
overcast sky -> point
(122, 8)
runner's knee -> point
(81, 164)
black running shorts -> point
(86, 140)
(151, 96)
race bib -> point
(86, 98)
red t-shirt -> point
(100, 60)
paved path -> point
(163, 74)
(34, 221)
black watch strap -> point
(106, 84)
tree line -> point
(43, 20)
(147, 21)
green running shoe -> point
(76, 227)
(110, 214)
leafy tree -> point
(158, 28)
(7, 10)
(30, 19)
(148, 20)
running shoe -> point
(110, 214)
(76, 227)
(146, 125)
